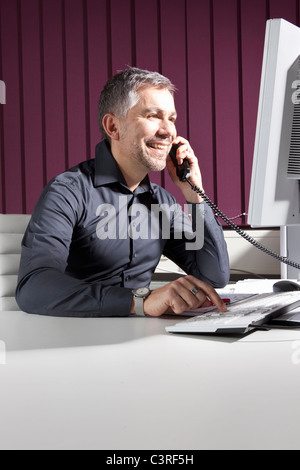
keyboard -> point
(241, 317)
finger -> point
(194, 293)
(183, 300)
(180, 140)
(185, 297)
(214, 298)
(210, 294)
(180, 297)
(184, 151)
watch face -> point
(141, 291)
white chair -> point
(12, 228)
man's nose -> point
(167, 129)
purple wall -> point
(55, 56)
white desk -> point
(124, 383)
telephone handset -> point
(183, 173)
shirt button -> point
(127, 278)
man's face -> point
(149, 129)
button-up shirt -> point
(91, 240)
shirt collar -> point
(107, 170)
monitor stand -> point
(290, 248)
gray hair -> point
(121, 92)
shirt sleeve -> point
(44, 287)
(206, 256)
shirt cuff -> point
(116, 302)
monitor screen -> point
(274, 194)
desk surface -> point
(124, 383)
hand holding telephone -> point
(183, 170)
(183, 173)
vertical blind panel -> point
(288, 8)
(227, 107)
(200, 89)
(148, 46)
(75, 82)
(121, 34)
(13, 147)
(173, 54)
(97, 64)
(56, 55)
(147, 34)
(2, 168)
(252, 19)
(54, 96)
(32, 117)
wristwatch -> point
(140, 294)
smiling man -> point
(80, 258)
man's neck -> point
(132, 176)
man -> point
(81, 253)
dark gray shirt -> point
(91, 240)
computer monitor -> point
(275, 190)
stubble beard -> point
(142, 156)
(150, 163)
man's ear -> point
(111, 125)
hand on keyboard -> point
(177, 297)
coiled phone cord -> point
(241, 232)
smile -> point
(158, 146)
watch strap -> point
(139, 305)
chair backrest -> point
(12, 228)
